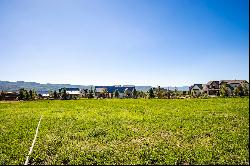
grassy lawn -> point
(126, 131)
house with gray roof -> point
(108, 91)
(232, 84)
(196, 89)
(212, 88)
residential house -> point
(9, 96)
(232, 84)
(212, 88)
(72, 93)
(196, 89)
(108, 91)
(43, 94)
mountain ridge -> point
(15, 86)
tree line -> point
(241, 90)
(160, 93)
(150, 94)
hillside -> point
(15, 86)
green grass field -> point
(126, 131)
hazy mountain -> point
(181, 88)
(143, 88)
(15, 86)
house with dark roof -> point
(212, 88)
(108, 91)
(233, 83)
(196, 89)
(8, 96)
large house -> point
(196, 89)
(212, 88)
(232, 84)
(8, 96)
(72, 93)
(108, 91)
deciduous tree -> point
(224, 90)
(245, 89)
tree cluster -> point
(27, 94)
(241, 90)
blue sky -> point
(138, 42)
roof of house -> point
(210, 82)
(43, 92)
(111, 89)
(72, 89)
(8, 92)
(199, 86)
(233, 81)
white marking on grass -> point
(31, 148)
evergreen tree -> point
(64, 94)
(151, 93)
(116, 93)
(31, 94)
(55, 96)
(21, 94)
(1, 95)
(90, 93)
(85, 92)
(134, 92)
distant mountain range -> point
(15, 86)
(181, 88)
